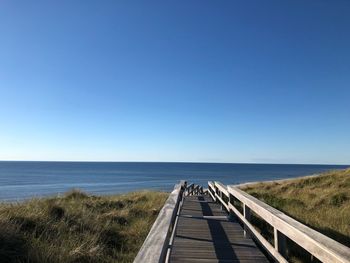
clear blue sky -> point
(218, 81)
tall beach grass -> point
(77, 227)
(322, 202)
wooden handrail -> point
(211, 190)
(222, 188)
(154, 248)
(156, 245)
(189, 189)
(195, 190)
(317, 244)
(222, 194)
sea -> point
(24, 180)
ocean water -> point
(22, 180)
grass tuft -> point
(76, 194)
(338, 199)
(112, 238)
(56, 212)
(12, 244)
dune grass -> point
(77, 227)
(321, 202)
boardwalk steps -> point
(205, 225)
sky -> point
(196, 81)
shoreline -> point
(288, 179)
(277, 180)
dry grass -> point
(321, 202)
(77, 227)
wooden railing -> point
(241, 204)
(155, 247)
(211, 190)
(193, 189)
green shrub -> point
(338, 199)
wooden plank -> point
(192, 206)
(201, 238)
(155, 246)
(319, 245)
(204, 260)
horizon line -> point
(189, 162)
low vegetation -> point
(321, 202)
(77, 227)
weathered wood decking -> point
(204, 233)
(191, 227)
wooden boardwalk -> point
(205, 234)
(192, 228)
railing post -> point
(247, 215)
(230, 212)
(190, 190)
(280, 242)
(221, 206)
